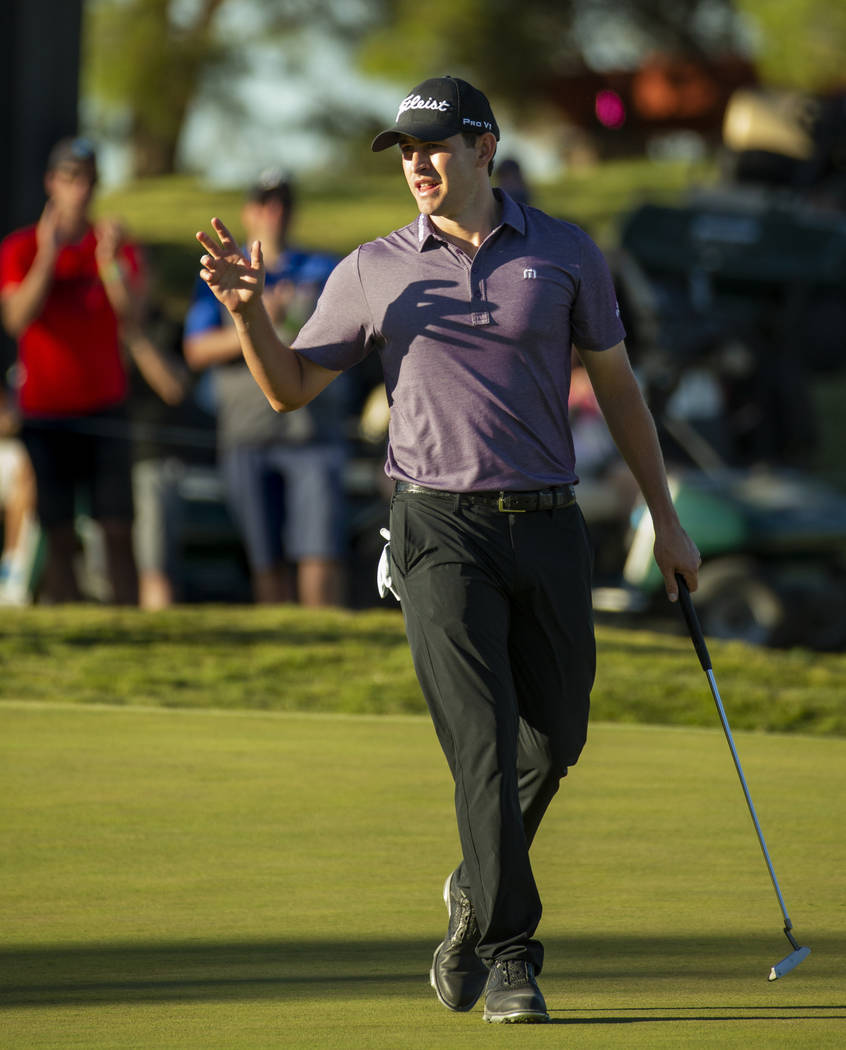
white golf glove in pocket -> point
(383, 571)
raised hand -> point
(236, 281)
(110, 237)
(48, 238)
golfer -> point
(473, 308)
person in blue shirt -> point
(283, 472)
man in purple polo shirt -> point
(474, 308)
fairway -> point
(228, 879)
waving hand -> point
(236, 281)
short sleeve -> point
(339, 332)
(16, 255)
(595, 317)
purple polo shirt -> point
(475, 352)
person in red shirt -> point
(70, 291)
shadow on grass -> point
(160, 972)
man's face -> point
(70, 187)
(265, 221)
(443, 176)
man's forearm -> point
(632, 427)
(635, 436)
(215, 346)
(275, 366)
(22, 305)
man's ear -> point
(485, 148)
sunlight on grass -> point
(251, 880)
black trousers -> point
(497, 609)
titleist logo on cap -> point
(418, 102)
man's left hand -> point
(676, 552)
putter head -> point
(788, 963)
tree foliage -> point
(516, 49)
(801, 42)
(141, 64)
(146, 61)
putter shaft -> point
(789, 962)
(788, 925)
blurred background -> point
(702, 143)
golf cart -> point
(734, 303)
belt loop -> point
(456, 503)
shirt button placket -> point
(478, 314)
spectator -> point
(21, 535)
(163, 426)
(283, 472)
(510, 177)
(69, 291)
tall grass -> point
(294, 659)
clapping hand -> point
(236, 281)
(110, 237)
(48, 238)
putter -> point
(791, 961)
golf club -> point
(791, 961)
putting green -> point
(200, 879)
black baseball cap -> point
(437, 109)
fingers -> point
(234, 277)
(675, 552)
(225, 244)
(688, 574)
(223, 233)
(672, 587)
(211, 248)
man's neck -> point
(72, 228)
(469, 229)
(273, 248)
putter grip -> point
(693, 625)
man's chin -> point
(431, 208)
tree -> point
(801, 42)
(146, 61)
(516, 50)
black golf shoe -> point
(512, 995)
(458, 975)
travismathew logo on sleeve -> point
(418, 102)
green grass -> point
(596, 198)
(295, 659)
(248, 880)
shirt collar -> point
(512, 215)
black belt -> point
(507, 502)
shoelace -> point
(465, 919)
(514, 971)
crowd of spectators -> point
(110, 407)
(107, 407)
